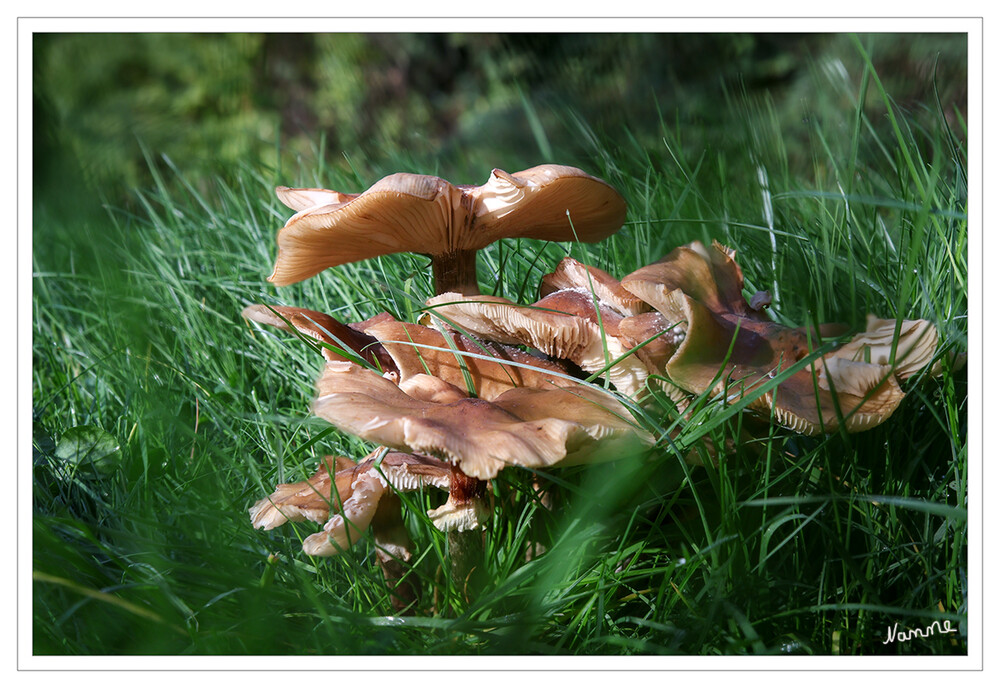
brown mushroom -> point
(524, 427)
(483, 369)
(914, 349)
(729, 349)
(346, 500)
(333, 335)
(425, 214)
(565, 325)
(572, 274)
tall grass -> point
(160, 416)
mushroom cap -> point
(718, 357)
(565, 325)
(425, 214)
(547, 202)
(417, 350)
(347, 500)
(918, 340)
(324, 329)
(305, 199)
(355, 514)
(308, 500)
(572, 274)
(730, 350)
(478, 436)
(708, 275)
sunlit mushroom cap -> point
(733, 352)
(307, 199)
(657, 341)
(710, 276)
(478, 436)
(425, 214)
(572, 274)
(565, 325)
(915, 347)
(308, 500)
(489, 369)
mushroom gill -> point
(428, 215)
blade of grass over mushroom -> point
(560, 325)
(563, 376)
(471, 338)
(334, 344)
(470, 385)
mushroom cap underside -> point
(428, 215)
(478, 436)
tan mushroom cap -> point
(324, 329)
(418, 350)
(732, 351)
(708, 275)
(308, 500)
(572, 274)
(307, 199)
(657, 340)
(425, 214)
(915, 348)
(348, 499)
(865, 394)
(565, 325)
(478, 436)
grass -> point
(160, 416)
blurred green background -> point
(217, 103)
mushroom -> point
(572, 274)
(657, 340)
(915, 347)
(428, 215)
(565, 325)
(732, 350)
(484, 369)
(347, 500)
(333, 335)
(525, 427)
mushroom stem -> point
(465, 488)
(455, 271)
(465, 547)
(393, 549)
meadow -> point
(160, 415)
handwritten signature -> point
(894, 634)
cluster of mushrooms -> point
(482, 383)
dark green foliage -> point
(785, 545)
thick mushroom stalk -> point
(428, 215)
